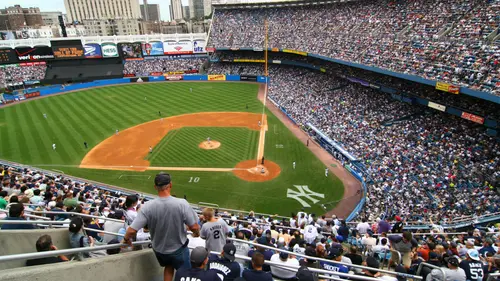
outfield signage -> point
(152, 49)
(173, 77)
(219, 77)
(177, 48)
(300, 53)
(34, 54)
(473, 118)
(109, 50)
(437, 106)
(199, 47)
(32, 95)
(92, 51)
(445, 87)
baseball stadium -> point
(331, 140)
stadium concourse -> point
(98, 216)
(445, 40)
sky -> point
(58, 5)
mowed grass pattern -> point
(180, 147)
(93, 115)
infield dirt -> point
(128, 149)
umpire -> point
(168, 232)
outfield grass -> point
(94, 115)
(179, 148)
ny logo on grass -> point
(305, 192)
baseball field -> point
(210, 136)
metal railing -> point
(492, 275)
(216, 206)
(55, 224)
(78, 214)
(114, 246)
(325, 260)
(421, 265)
(37, 255)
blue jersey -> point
(334, 267)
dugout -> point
(86, 70)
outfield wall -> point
(58, 89)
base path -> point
(351, 185)
(128, 149)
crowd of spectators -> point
(11, 75)
(342, 246)
(466, 103)
(145, 67)
(420, 163)
(443, 40)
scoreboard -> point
(8, 56)
(68, 49)
(69, 52)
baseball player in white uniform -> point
(293, 164)
(326, 172)
(208, 140)
(54, 146)
(116, 132)
(45, 115)
(150, 149)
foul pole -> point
(262, 137)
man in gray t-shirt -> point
(214, 231)
(166, 218)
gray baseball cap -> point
(198, 255)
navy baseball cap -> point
(303, 274)
(334, 252)
(162, 179)
(229, 251)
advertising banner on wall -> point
(152, 49)
(437, 106)
(177, 48)
(216, 77)
(109, 50)
(295, 52)
(130, 50)
(173, 77)
(447, 88)
(473, 118)
(199, 47)
(34, 54)
(92, 51)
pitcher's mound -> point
(249, 170)
(209, 145)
